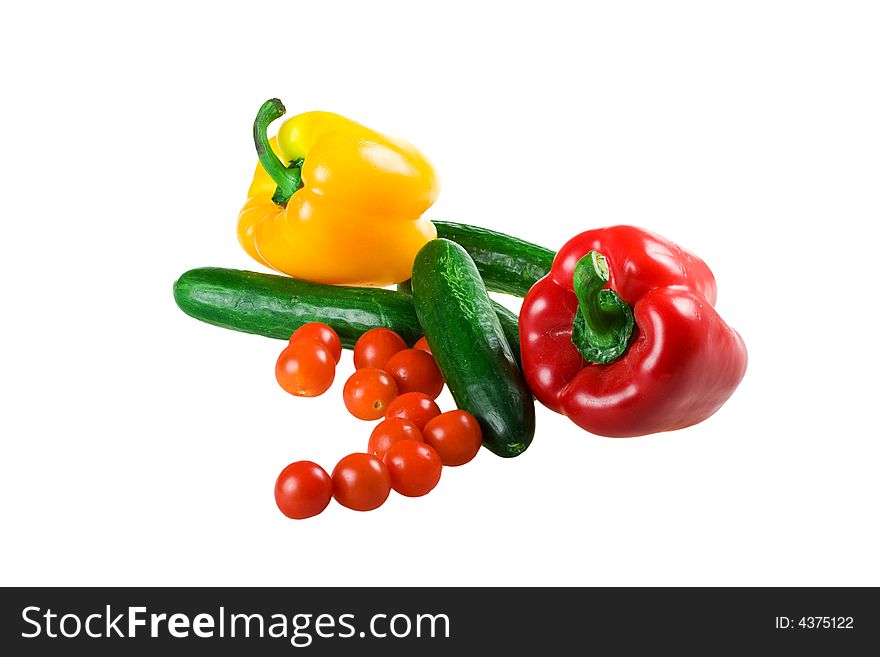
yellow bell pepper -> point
(335, 202)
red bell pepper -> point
(622, 335)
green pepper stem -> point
(287, 178)
(603, 324)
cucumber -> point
(509, 321)
(507, 264)
(275, 306)
(470, 348)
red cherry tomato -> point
(375, 347)
(414, 370)
(303, 490)
(361, 482)
(455, 435)
(416, 407)
(368, 392)
(422, 344)
(389, 431)
(323, 334)
(305, 368)
(414, 467)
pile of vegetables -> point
(618, 330)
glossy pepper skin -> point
(335, 202)
(678, 366)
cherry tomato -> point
(390, 431)
(416, 407)
(414, 467)
(422, 344)
(361, 482)
(455, 435)
(305, 368)
(368, 392)
(303, 490)
(375, 347)
(323, 334)
(414, 370)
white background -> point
(141, 447)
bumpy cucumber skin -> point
(470, 348)
(275, 306)
(510, 325)
(508, 320)
(507, 264)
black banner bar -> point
(437, 621)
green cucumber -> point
(469, 345)
(507, 264)
(508, 319)
(275, 306)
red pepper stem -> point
(603, 324)
(287, 178)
